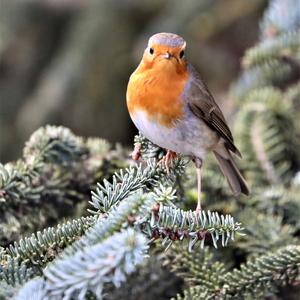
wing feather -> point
(203, 105)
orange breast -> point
(157, 92)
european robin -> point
(172, 107)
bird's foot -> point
(136, 153)
(168, 160)
(198, 208)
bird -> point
(172, 107)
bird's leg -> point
(136, 153)
(168, 158)
(198, 164)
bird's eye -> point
(181, 54)
(151, 50)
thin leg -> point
(198, 163)
(198, 189)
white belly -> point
(189, 137)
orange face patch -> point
(155, 87)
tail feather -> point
(235, 179)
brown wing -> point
(203, 105)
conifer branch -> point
(264, 232)
(273, 72)
(57, 167)
(33, 290)
(52, 144)
(267, 136)
(139, 210)
(265, 273)
(147, 148)
(283, 46)
(123, 214)
(13, 271)
(90, 269)
(123, 183)
(254, 279)
(173, 224)
(132, 179)
(42, 247)
(199, 267)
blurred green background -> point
(67, 62)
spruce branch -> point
(132, 179)
(15, 189)
(123, 183)
(254, 279)
(271, 72)
(140, 210)
(197, 267)
(275, 60)
(118, 217)
(216, 194)
(264, 94)
(50, 154)
(151, 281)
(196, 293)
(173, 224)
(91, 268)
(33, 290)
(42, 247)
(264, 232)
(281, 47)
(53, 144)
(7, 291)
(14, 271)
(135, 210)
(265, 273)
(166, 221)
(268, 137)
(53, 177)
(289, 206)
(147, 148)
(158, 217)
(277, 200)
(293, 96)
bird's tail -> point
(235, 179)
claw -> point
(198, 208)
(136, 153)
(167, 160)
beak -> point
(167, 55)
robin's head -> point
(165, 50)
